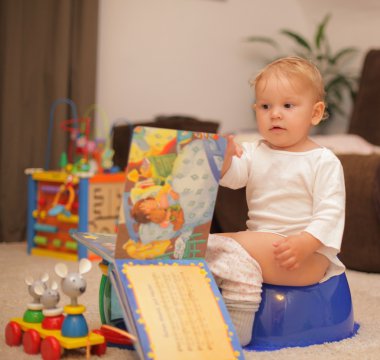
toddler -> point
(295, 194)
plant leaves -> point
(300, 40)
(338, 109)
(301, 54)
(334, 91)
(263, 39)
(342, 53)
(320, 33)
(337, 81)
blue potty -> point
(292, 316)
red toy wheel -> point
(50, 348)
(99, 349)
(13, 334)
(32, 342)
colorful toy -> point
(51, 331)
(60, 202)
(53, 315)
(84, 194)
(73, 285)
(33, 314)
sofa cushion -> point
(361, 238)
(365, 119)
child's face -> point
(285, 111)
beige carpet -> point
(16, 265)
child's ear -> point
(254, 107)
(318, 111)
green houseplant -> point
(339, 79)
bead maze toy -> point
(84, 194)
(48, 329)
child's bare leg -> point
(259, 246)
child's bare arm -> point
(291, 251)
(233, 149)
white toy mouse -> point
(73, 284)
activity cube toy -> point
(60, 202)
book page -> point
(100, 244)
(169, 196)
(177, 314)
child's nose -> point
(276, 113)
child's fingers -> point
(230, 139)
(284, 255)
(232, 147)
(277, 243)
(294, 267)
(280, 248)
(289, 263)
(239, 150)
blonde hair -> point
(295, 66)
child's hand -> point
(233, 149)
(291, 251)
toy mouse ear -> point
(84, 266)
(39, 289)
(61, 270)
(54, 285)
(29, 280)
(45, 277)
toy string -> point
(105, 121)
(119, 331)
(74, 114)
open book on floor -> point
(167, 295)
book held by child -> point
(167, 295)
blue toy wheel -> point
(300, 316)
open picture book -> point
(167, 294)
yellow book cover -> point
(175, 309)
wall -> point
(189, 57)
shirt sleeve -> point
(329, 198)
(237, 175)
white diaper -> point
(237, 274)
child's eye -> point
(265, 106)
(288, 106)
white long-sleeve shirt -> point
(290, 192)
